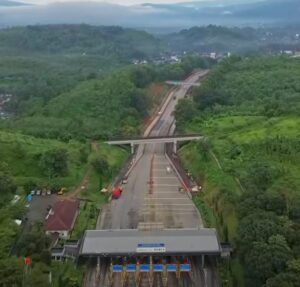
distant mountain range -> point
(173, 16)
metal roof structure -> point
(137, 242)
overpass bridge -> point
(182, 84)
(155, 140)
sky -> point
(122, 2)
(131, 2)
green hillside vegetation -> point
(112, 105)
(22, 156)
(249, 164)
(28, 163)
(71, 89)
(213, 38)
(104, 40)
(242, 40)
(38, 63)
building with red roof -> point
(62, 217)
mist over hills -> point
(7, 3)
(178, 16)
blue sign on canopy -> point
(158, 268)
(185, 267)
(117, 268)
(151, 248)
(145, 268)
(131, 267)
(172, 267)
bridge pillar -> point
(202, 261)
(98, 268)
(165, 275)
(132, 148)
(151, 274)
(175, 147)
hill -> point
(38, 63)
(118, 42)
(112, 105)
(249, 164)
(235, 40)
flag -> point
(27, 260)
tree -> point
(101, 166)
(34, 243)
(284, 280)
(39, 276)
(204, 147)
(289, 278)
(7, 186)
(260, 175)
(257, 227)
(11, 272)
(259, 261)
(54, 163)
(185, 111)
(264, 260)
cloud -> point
(120, 2)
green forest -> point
(70, 88)
(248, 111)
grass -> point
(217, 203)
(92, 197)
(216, 183)
(115, 157)
(21, 154)
(208, 217)
(66, 272)
(93, 193)
(86, 219)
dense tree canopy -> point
(249, 110)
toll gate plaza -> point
(137, 253)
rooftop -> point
(63, 216)
(169, 241)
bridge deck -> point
(149, 140)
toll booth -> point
(144, 254)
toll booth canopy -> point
(133, 242)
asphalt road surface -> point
(162, 204)
(151, 200)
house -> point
(68, 252)
(61, 218)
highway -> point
(152, 198)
